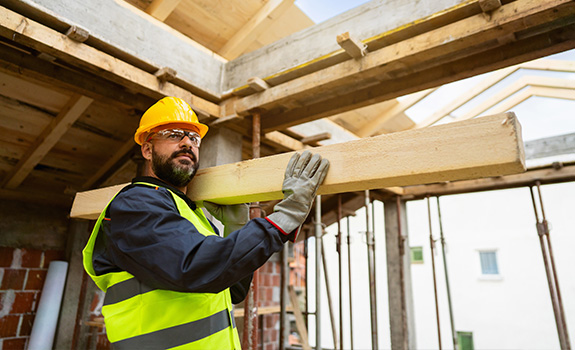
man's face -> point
(175, 155)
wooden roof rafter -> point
(161, 9)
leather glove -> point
(304, 174)
(233, 217)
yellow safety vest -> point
(140, 317)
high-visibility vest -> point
(140, 317)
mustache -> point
(184, 151)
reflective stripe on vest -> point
(140, 317)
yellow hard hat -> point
(168, 110)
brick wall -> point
(22, 275)
(269, 295)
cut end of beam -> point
(353, 47)
(78, 34)
(258, 84)
(166, 74)
(489, 5)
(316, 138)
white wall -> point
(510, 312)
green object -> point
(304, 173)
(416, 255)
(138, 316)
(465, 341)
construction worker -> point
(170, 278)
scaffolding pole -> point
(318, 239)
(349, 284)
(370, 240)
(340, 270)
(442, 238)
(551, 272)
(432, 244)
(329, 298)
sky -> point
(320, 10)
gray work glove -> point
(233, 217)
(304, 174)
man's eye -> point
(174, 136)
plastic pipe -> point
(44, 327)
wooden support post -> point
(475, 148)
(401, 313)
(166, 74)
(258, 84)
(78, 234)
(299, 321)
(352, 46)
(78, 34)
(316, 138)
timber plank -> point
(475, 148)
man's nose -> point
(186, 142)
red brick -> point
(14, 344)
(13, 279)
(9, 326)
(6, 254)
(51, 255)
(24, 302)
(35, 279)
(31, 258)
(103, 343)
(26, 326)
(275, 280)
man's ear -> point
(147, 150)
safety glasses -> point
(177, 135)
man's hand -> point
(233, 217)
(304, 174)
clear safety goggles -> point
(177, 135)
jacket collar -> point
(158, 182)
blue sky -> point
(320, 10)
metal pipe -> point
(306, 274)
(349, 284)
(370, 240)
(432, 243)
(318, 240)
(442, 238)
(46, 319)
(340, 270)
(284, 281)
(329, 298)
(542, 228)
(553, 268)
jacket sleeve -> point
(149, 239)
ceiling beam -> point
(39, 37)
(447, 152)
(550, 146)
(161, 9)
(128, 146)
(255, 27)
(47, 139)
(422, 52)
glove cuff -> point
(291, 236)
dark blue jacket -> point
(147, 237)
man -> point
(169, 278)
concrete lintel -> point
(319, 41)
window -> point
(416, 255)
(489, 262)
(464, 340)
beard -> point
(176, 172)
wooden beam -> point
(161, 9)
(300, 324)
(437, 44)
(550, 146)
(545, 176)
(44, 39)
(258, 84)
(44, 143)
(283, 141)
(308, 140)
(262, 310)
(525, 94)
(377, 123)
(494, 78)
(78, 34)
(489, 5)
(119, 154)
(258, 24)
(353, 47)
(475, 148)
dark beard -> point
(173, 172)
